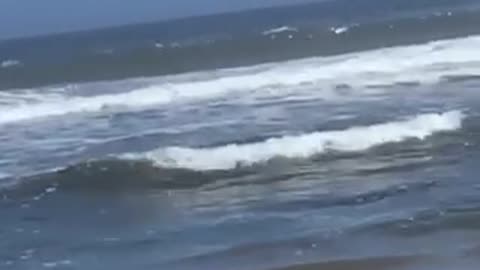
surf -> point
(303, 146)
(422, 64)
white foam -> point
(339, 30)
(303, 146)
(426, 63)
(4, 175)
(279, 30)
(55, 264)
(10, 63)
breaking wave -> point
(339, 30)
(10, 63)
(303, 146)
(426, 63)
(279, 30)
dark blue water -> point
(340, 135)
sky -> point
(20, 18)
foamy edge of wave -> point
(339, 30)
(279, 30)
(353, 139)
(425, 64)
(10, 63)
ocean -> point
(343, 134)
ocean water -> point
(334, 135)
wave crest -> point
(10, 63)
(279, 30)
(426, 63)
(303, 146)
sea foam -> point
(9, 63)
(339, 30)
(279, 30)
(302, 146)
(423, 64)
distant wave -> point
(10, 63)
(279, 30)
(303, 146)
(339, 30)
(159, 45)
(426, 63)
(4, 175)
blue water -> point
(328, 136)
